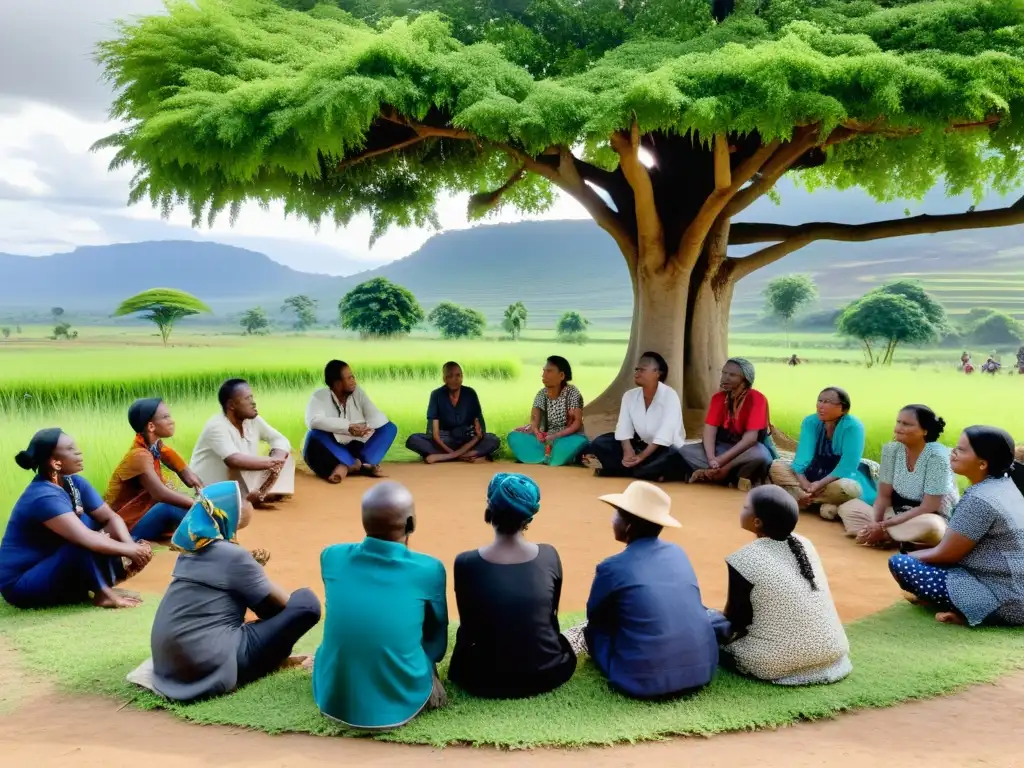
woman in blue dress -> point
(975, 574)
(63, 544)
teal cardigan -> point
(848, 442)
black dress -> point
(508, 644)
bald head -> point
(387, 508)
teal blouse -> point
(847, 442)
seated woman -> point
(916, 487)
(455, 424)
(62, 544)
(647, 629)
(347, 432)
(649, 433)
(201, 644)
(138, 490)
(827, 469)
(975, 574)
(735, 439)
(554, 435)
(509, 644)
(784, 625)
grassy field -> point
(84, 386)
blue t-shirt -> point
(27, 541)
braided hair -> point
(778, 513)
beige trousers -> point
(835, 493)
(927, 529)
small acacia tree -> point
(6, 332)
(455, 322)
(255, 322)
(515, 319)
(57, 312)
(664, 122)
(572, 327)
(162, 306)
(785, 296)
(888, 319)
(64, 331)
(378, 307)
(304, 309)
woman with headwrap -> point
(63, 544)
(201, 644)
(138, 490)
(736, 442)
(508, 644)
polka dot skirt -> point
(925, 581)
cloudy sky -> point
(55, 194)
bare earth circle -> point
(979, 726)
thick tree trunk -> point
(707, 348)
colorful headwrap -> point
(204, 524)
(745, 366)
(515, 493)
(141, 412)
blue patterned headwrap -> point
(514, 493)
(204, 524)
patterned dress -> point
(555, 413)
(795, 636)
(932, 476)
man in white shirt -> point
(228, 448)
(347, 432)
(649, 433)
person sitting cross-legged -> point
(347, 432)
(455, 424)
(387, 621)
(228, 448)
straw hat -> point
(646, 501)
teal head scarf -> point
(204, 524)
(513, 493)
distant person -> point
(387, 627)
(201, 643)
(455, 424)
(916, 487)
(794, 361)
(828, 468)
(63, 544)
(647, 629)
(228, 448)
(965, 360)
(975, 574)
(347, 432)
(509, 644)
(138, 490)
(554, 435)
(783, 624)
(736, 436)
(991, 366)
(649, 432)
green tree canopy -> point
(378, 307)
(663, 124)
(515, 319)
(785, 296)
(888, 318)
(572, 326)
(304, 309)
(913, 290)
(162, 306)
(255, 322)
(996, 328)
(455, 322)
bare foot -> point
(340, 473)
(700, 476)
(474, 459)
(127, 593)
(372, 470)
(591, 462)
(356, 467)
(434, 458)
(913, 599)
(950, 617)
(107, 598)
(302, 660)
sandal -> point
(261, 556)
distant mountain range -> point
(551, 266)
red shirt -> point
(753, 415)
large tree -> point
(665, 126)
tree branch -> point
(650, 237)
(484, 201)
(784, 158)
(794, 238)
(693, 237)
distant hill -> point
(551, 266)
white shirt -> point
(325, 413)
(220, 439)
(661, 424)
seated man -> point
(387, 626)
(455, 424)
(347, 432)
(228, 448)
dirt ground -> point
(978, 727)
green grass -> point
(899, 654)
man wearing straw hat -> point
(647, 629)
